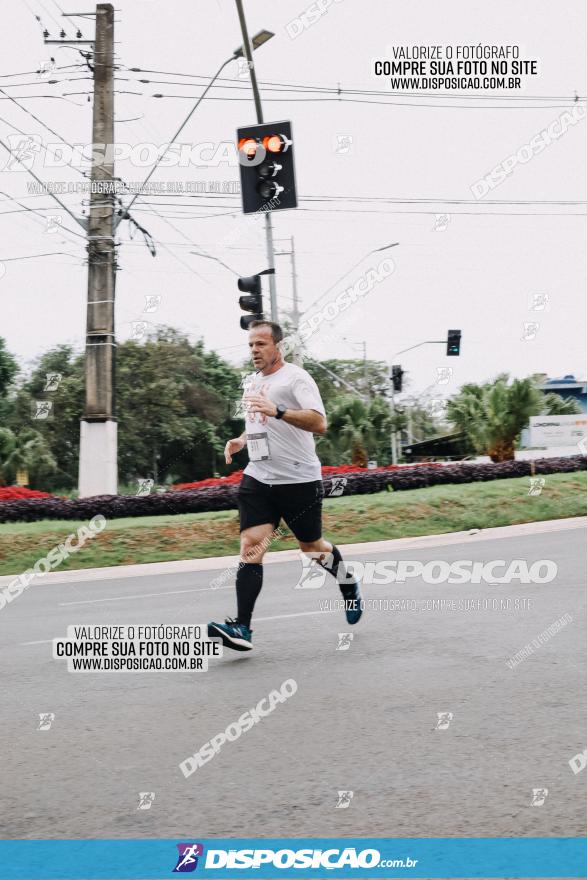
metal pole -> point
(297, 354)
(393, 433)
(248, 50)
(365, 371)
(271, 264)
(98, 438)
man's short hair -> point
(276, 331)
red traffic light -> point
(266, 163)
(248, 147)
(276, 143)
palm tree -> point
(23, 452)
(355, 428)
(493, 415)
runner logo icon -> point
(187, 860)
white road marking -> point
(147, 595)
(284, 616)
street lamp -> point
(257, 41)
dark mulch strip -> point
(213, 498)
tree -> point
(61, 430)
(174, 407)
(25, 452)
(493, 415)
(357, 431)
(8, 371)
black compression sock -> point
(249, 580)
(338, 570)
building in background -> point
(567, 387)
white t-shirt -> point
(281, 453)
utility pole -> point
(296, 308)
(98, 472)
(365, 370)
(409, 425)
(298, 357)
(294, 314)
(268, 225)
(393, 438)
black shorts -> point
(299, 504)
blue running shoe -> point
(233, 634)
(353, 602)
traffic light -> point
(252, 302)
(266, 161)
(453, 343)
(397, 375)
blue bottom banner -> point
(309, 857)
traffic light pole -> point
(259, 110)
(393, 438)
(98, 436)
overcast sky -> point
(477, 271)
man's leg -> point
(300, 505)
(329, 557)
(236, 633)
(249, 577)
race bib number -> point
(258, 447)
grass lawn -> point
(348, 520)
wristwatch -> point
(281, 410)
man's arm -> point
(306, 419)
(234, 446)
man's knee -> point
(252, 549)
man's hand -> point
(232, 447)
(260, 403)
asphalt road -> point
(363, 719)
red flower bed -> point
(20, 493)
(327, 471)
(231, 480)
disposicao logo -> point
(187, 859)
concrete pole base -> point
(98, 463)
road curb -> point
(220, 563)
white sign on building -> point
(557, 430)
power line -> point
(49, 13)
(48, 82)
(27, 134)
(343, 100)
(31, 72)
(183, 124)
(36, 211)
(52, 195)
(36, 256)
(268, 84)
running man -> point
(283, 409)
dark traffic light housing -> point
(252, 301)
(397, 375)
(453, 343)
(266, 162)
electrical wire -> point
(32, 173)
(371, 92)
